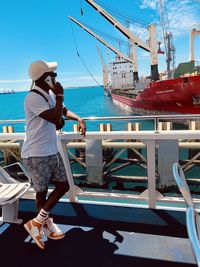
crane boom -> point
(135, 41)
(100, 56)
(119, 26)
(116, 51)
(105, 71)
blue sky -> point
(40, 29)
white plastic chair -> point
(192, 216)
(11, 191)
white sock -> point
(42, 216)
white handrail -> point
(191, 217)
(182, 184)
(149, 138)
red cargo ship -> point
(179, 95)
(175, 91)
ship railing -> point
(162, 150)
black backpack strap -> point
(38, 92)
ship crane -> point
(167, 37)
(192, 35)
(105, 71)
(159, 49)
(116, 51)
(135, 41)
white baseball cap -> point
(39, 67)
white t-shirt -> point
(53, 97)
(40, 139)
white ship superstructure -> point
(121, 74)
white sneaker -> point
(51, 230)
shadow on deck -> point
(103, 236)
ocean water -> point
(84, 101)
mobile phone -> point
(49, 81)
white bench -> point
(192, 214)
(11, 191)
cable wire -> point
(123, 15)
(107, 35)
(76, 47)
(81, 7)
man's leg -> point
(59, 175)
(40, 199)
(50, 229)
(40, 179)
(60, 189)
(53, 165)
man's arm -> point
(54, 115)
(72, 116)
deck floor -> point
(101, 236)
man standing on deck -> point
(40, 152)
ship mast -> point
(135, 41)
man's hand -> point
(82, 127)
(58, 89)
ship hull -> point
(107, 91)
(175, 96)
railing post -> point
(156, 121)
(63, 152)
(94, 162)
(151, 171)
(168, 153)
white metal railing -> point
(156, 118)
(150, 197)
